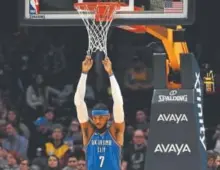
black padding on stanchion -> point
(188, 66)
(176, 138)
(178, 35)
(159, 71)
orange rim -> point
(103, 10)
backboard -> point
(136, 12)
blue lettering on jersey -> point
(103, 152)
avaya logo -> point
(172, 148)
(199, 106)
(176, 118)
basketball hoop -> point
(97, 17)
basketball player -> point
(102, 143)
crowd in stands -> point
(38, 124)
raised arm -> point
(31, 101)
(81, 108)
(118, 110)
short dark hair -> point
(73, 155)
(81, 158)
(57, 126)
(211, 156)
(49, 109)
(100, 106)
(22, 159)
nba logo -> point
(34, 7)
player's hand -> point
(107, 65)
(87, 64)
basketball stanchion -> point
(176, 139)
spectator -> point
(56, 146)
(216, 137)
(138, 76)
(128, 135)
(81, 165)
(53, 163)
(138, 84)
(72, 163)
(50, 114)
(12, 162)
(74, 136)
(3, 156)
(64, 96)
(55, 60)
(217, 162)
(141, 120)
(24, 164)
(41, 160)
(23, 69)
(6, 78)
(43, 129)
(37, 94)
(134, 156)
(211, 162)
(44, 124)
(14, 142)
(14, 118)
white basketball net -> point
(97, 25)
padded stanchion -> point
(159, 65)
(176, 138)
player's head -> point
(100, 115)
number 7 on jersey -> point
(102, 158)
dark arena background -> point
(40, 65)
